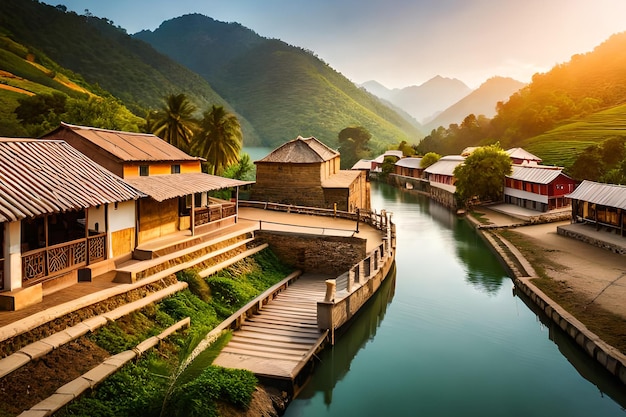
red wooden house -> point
(540, 188)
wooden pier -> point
(281, 338)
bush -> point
(198, 397)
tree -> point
(482, 174)
(242, 170)
(220, 139)
(353, 145)
(407, 150)
(174, 122)
(429, 159)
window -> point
(176, 169)
(144, 170)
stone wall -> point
(332, 255)
(563, 231)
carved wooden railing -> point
(97, 247)
(39, 264)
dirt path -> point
(597, 273)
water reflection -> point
(589, 369)
(483, 270)
(335, 361)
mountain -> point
(283, 90)
(481, 101)
(426, 100)
(107, 57)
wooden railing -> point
(40, 264)
(213, 212)
(380, 221)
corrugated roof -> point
(164, 187)
(520, 153)
(409, 163)
(301, 151)
(342, 179)
(535, 174)
(445, 165)
(604, 194)
(363, 164)
(395, 153)
(49, 176)
(128, 146)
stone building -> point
(305, 172)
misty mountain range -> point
(442, 101)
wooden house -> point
(441, 173)
(520, 156)
(441, 179)
(59, 213)
(603, 205)
(306, 172)
(179, 195)
(540, 188)
(377, 163)
(409, 167)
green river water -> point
(446, 336)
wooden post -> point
(331, 287)
(193, 215)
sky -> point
(400, 43)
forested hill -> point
(102, 54)
(284, 91)
(558, 116)
(586, 84)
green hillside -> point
(284, 91)
(562, 145)
(104, 56)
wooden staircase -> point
(108, 291)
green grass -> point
(562, 145)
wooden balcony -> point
(41, 264)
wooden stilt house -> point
(60, 212)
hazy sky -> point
(402, 42)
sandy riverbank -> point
(598, 274)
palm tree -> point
(220, 139)
(174, 122)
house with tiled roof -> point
(59, 213)
(178, 195)
(305, 172)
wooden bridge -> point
(280, 340)
(277, 335)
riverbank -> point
(579, 286)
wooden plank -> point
(283, 336)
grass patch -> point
(609, 326)
(141, 388)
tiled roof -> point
(301, 151)
(128, 146)
(165, 187)
(342, 179)
(604, 194)
(49, 176)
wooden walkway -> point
(282, 338)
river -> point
(446, 336)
